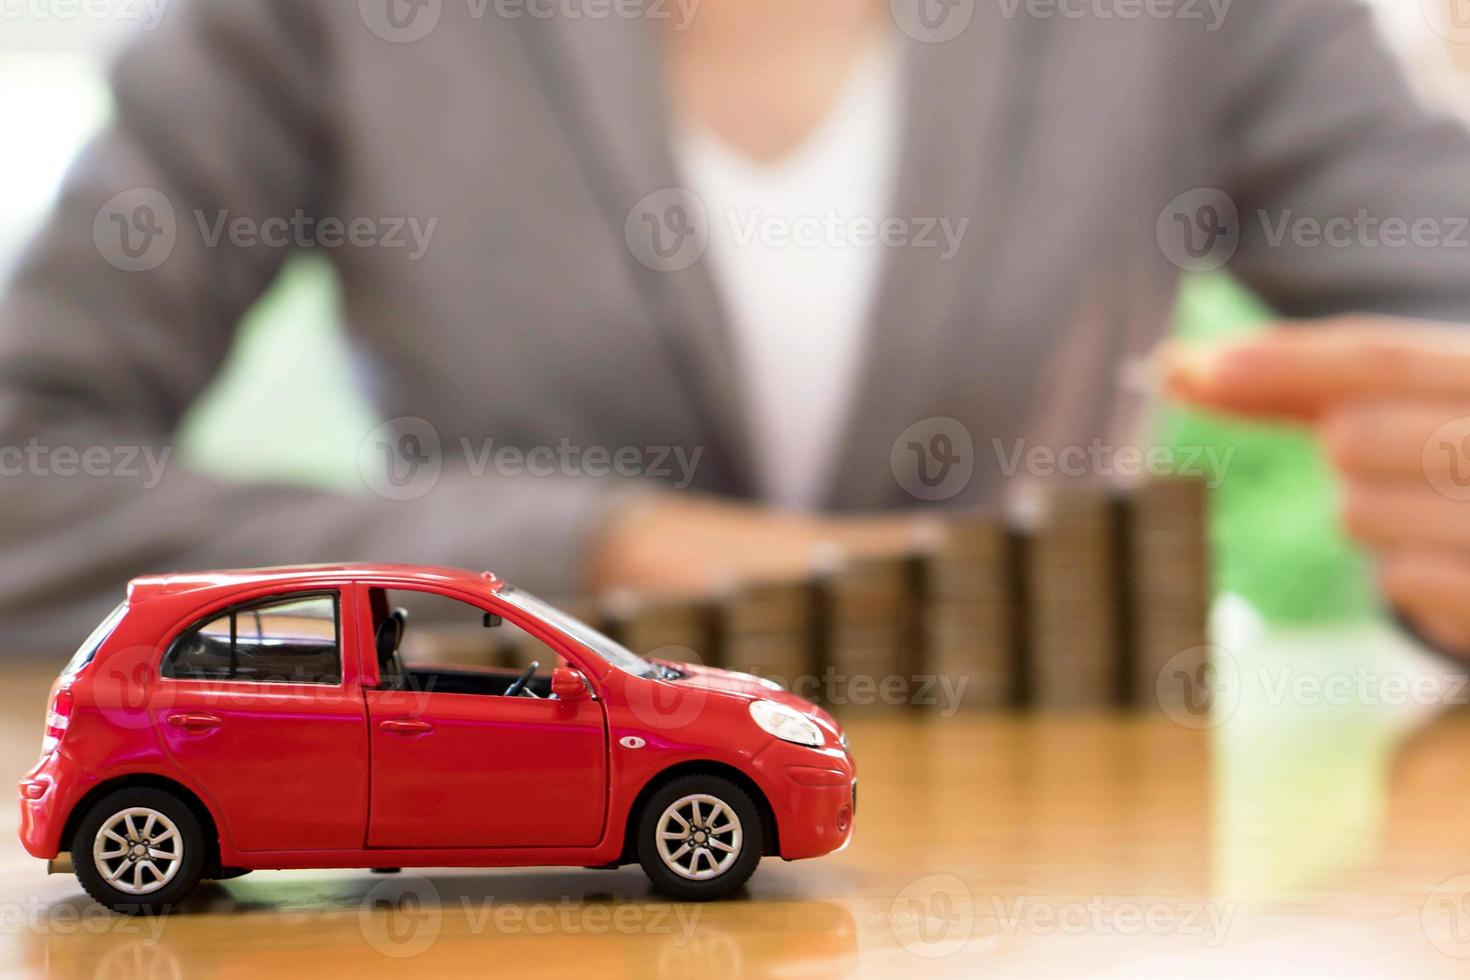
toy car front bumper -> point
(823, 804)
(815, 802)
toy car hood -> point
(748, 686)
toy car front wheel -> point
(699, 838)
(139, 850)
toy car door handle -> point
(406, 726)
(194, 721)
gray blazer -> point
(540, 314)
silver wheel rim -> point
(699, 837)
(138, 850)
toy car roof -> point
(145, 587)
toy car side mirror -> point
(569, 685)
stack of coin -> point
(1169, 568)
(770, 630)
(873, 631)
(972, 606)
(1074, 599)
(681, 631)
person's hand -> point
(1391, 402)
(684, 544)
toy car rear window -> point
(287, 639)
(94, 641)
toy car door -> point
(252, 704)
(467, 767)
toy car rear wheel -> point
(139, 851)
(699, 838)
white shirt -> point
(793, 250)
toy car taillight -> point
(57, 718)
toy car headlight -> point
(785, 723)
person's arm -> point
(102, 348)
(104, 343)
(1353, 199)
(1353, 195)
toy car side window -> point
(289, 640)
(437, 644)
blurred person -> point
(653, 229)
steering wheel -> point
(518, 687)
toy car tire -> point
(699, 838)
(139, 851)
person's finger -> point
(1393, 516)
(1432, 591)
(1302, 372)
(1412, 442)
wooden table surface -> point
(1295, 839)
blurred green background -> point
(287, 408)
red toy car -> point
(221, 722)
